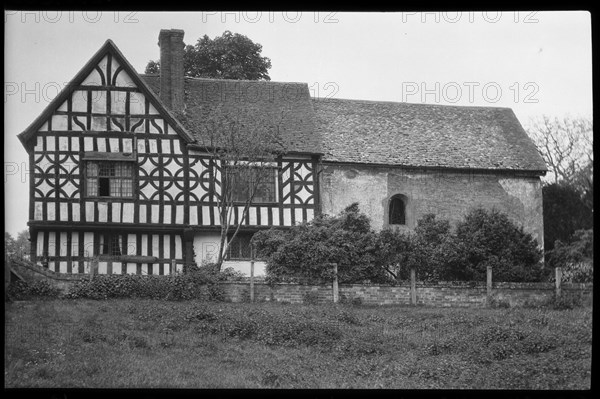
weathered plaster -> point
(448, 195)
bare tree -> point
(565, 145)
(243, 146)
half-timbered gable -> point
(106, 153)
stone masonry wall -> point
(447, 194)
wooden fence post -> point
(252, 274)
(558, 282)
(336, 296)
(413, 287)
(488, 298)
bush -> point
(484, 238)
(489, 238)
(564, 213)
(305, 252)
(566, 302)
(310, 298)
(576, 259)
(22, 290)
(173, 287)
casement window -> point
(109, 179)
(240, 248)
(397, 210)
(111, 244)
(260, 180)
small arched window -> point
(397, 210)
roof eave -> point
(540, 172)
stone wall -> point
(447, 194)
(441, 294)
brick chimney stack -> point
(171, 46)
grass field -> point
(155, 344)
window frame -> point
(403, 200)
(246, 236)
(86, 177)
(113, 242)
(274, 169)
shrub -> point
(356, 301)
(172, 287)
(305, 252)
(484, 238)
(435, 251)
(564, 213)
(489, 238)
(310, 297)
(21, 290)
(576, 258)
(566, 302)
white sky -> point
(535, 63)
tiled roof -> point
(357, 131)
(287, 105)
(424, 135)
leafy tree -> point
(576, 258)
(489, 238)
(305, 252)
(22, 243)
(18, 247)
(564, 212)
(153, 67)
(10, 246)
(229, 56)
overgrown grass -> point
(194, 344)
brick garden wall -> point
(441, 294)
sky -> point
(537, 63)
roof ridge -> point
(407, 103)
(243, 80)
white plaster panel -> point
(206, 247)
(89, 211)
(64, 211)
(128, 209)
(98, 101)
(102, 212)
(79, 100)
(167, 214)
(116, 212)
(59, 122)
(76, 212)
(154, 213)
(51, 209)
